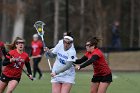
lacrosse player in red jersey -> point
(37, 50)
(102, 74)
(14, 62)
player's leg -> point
(2, 86)
(11, 86)
(105, 82)
(34, 68)
(94, 87)
(103, 87)
(66, 87)
(95, 81)
(37, 67)
(56, 87)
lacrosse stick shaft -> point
(27, 74)
(43, 40)
(49, 64)
(24, 71)
(44, 45)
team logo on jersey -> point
(63, 56)
(72, 57)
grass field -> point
(123, 82)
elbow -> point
(4, 64)
(51, 55)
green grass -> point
(124, 83)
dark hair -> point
(69, 34)
(94, 41)
(13, 44)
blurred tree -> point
(82, 21)
(132, 23)
(118, 5)
(56, 21)
(19, 19)
(8, 13)
(101, 22)
(138, 17)
(11, 11)
(4, 23)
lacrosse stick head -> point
(39, 25)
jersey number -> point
(16, 65)
(62, 61)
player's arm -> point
(65, 67)
(28, 66)
(90, 61)
(6, 61)
(81, 60)
(50, 54)
(4, 51)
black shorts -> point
(7, 79)
(107, 78)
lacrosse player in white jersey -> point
(63, 71)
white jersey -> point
(63, 57)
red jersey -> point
(36, 47)
(1, 45)
(13, 69)
(101, 67)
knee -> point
(54, 91)
(35, 67)
(9, 91)
(1, 91)
(93, 91)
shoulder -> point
(1, 43)
(39, 41)
(98, 52)
(24, 53)
(71, 55)
(32, 41)
(72, 52)
(12, 51)
(26, 56)
(87, 54)
(60, 42)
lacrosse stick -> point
(25, 72)
(39, 25)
